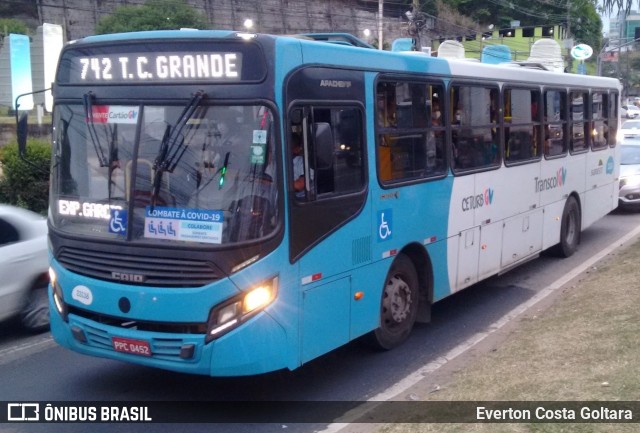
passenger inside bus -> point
(474, 126)
(298, 166)
(436, 114)
(386, 119)
(435, 143)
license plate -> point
(134, 347)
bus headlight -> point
(58, 299)
(231, 314)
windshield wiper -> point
(172, 146)
(112, 158)
(88, 111)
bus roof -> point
(317, 48)
(157, 34)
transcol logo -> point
(553, 182)
(477, 201)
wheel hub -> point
(398, 300)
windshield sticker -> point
(114, 114)
(118, 222)
(196, 225)
(258, 147)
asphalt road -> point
(34, 368)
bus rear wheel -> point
(399, 305)
(569, 229)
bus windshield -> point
(190, 173)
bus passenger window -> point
(612, 119)
(599, 116)
(411, 143)
(474, 134)
(555, 120)
(579, 136)
(385, 106)
(522, 116)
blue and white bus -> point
(225, 203)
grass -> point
(584, 347)
(6, 119)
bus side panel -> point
(325, 278)
(553, 189)
(490, 249)
(558, 179)
(522, 237)
(412, 214)
(366, 292)
(462, 237)
(505, 192)
(509, 233)
(325, 317)
(600, 186)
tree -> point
(153, 15)
(23, 184)
(611, 5)
(11, 25)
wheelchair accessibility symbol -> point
(118, 222)
(385, 220)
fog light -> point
(231, 314)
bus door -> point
(328, 233)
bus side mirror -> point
(22, 127)
(21, 130)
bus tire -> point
(569, 229)
(399, 305)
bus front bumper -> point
(258, 346)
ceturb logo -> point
(477, 201)
(553, 182)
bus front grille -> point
(138, 269)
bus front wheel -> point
(569, 229)
(399, 305)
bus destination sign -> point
(156, 67)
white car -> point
(630, 129)
(630, 111)
(629, 195)
(24, 267)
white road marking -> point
(415, 377)
(31, 345)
